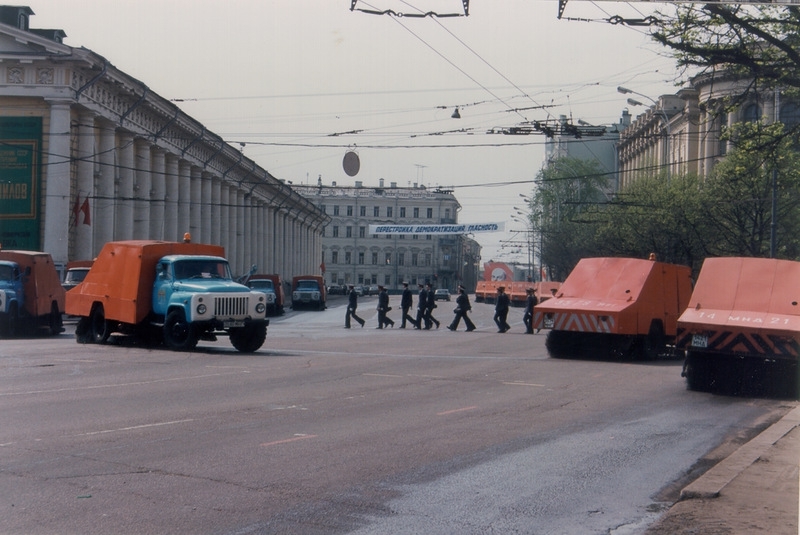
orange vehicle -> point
(615, 307)
(517, 292)
(272, 286)
(177, 293)
(547, 289)
(741, 329)
(308, 291)
(31, 296)
(486, 291)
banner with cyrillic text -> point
(437, 229)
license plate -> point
(233, 323)
(699, 340)
(548, 323)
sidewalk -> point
(754, 490)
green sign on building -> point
(20, 182)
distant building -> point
(351, 255)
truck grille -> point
(231, 306)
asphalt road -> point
(327, 430)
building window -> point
(427, 259)
(416, 212)
(402, 211)
(361, 258)
(388, 259)
(348, 257)
(322, 208)
(414, 259)
(362, 232)
(387, 279)
(375, 259)
(350, 211)
(430, 213)
(401, 259)
(790, 114)
(428, 236)
(447, 213)
(389, 211)
(335, 231)
(336, 209)
(415, 236)
(348, 232)
(334, 257)
(401, 237)
(362, 211)
(376, 211)
(751, 113)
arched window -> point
(790, 114)
(751, 113)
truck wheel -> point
(698, 372)
(248, 339)
(82, 331)
(178, 333)
(100, 330)
(55, 324)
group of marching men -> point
(426, 302)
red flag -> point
(87, 219)
(322, 267)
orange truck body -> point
(517, 292)
(122, 278)
(744, 312)
(486, 291)
(41, 284)
(630, 297)
(544, 289)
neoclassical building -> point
(682, 133)
(351, 255)
(89, 154)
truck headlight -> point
(261, 308)
(201, 309)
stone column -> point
(56, 191)
(141, 190)
(216, 222)
(195, 196)
(184, 198)
(103, 217)
(224, 217)
(158, 184)
(123, 226)
(171, 198)
(238, 257)
(84, 188)
(205, 208)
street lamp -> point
(662, 115)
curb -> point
(710, 484)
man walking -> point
(527, 317)
(422, 303)
(351, 308)
(431, 304)
(462, 307)
(383, 308)
(405, 304)
(501, 310)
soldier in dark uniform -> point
(422, 303)
(406, 302)
(501, 310)
(462, 307)
(527, 317)
(351, 308)
(431, 304)
(383, 308)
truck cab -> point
(11, 296)
(308, 291)
(272, 288)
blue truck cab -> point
(196, 297)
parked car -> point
(359, 290)
(442, 294)
(373, 290)
(337, 289)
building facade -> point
(89, 155)
(351, 255)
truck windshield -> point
(261, 284)
(202, 269)
(307, 285)
(6, 273)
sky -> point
(296, 84)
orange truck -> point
(31, 296)
(615, 307)
(308, 291)
(741, 329)
(175, 293)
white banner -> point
(437, 229)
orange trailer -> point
(619, 307)
(741, 329)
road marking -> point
(287, 440)
(132, 428)
(382, 375)
(516, 383)
(445, 413)
(117, 385)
